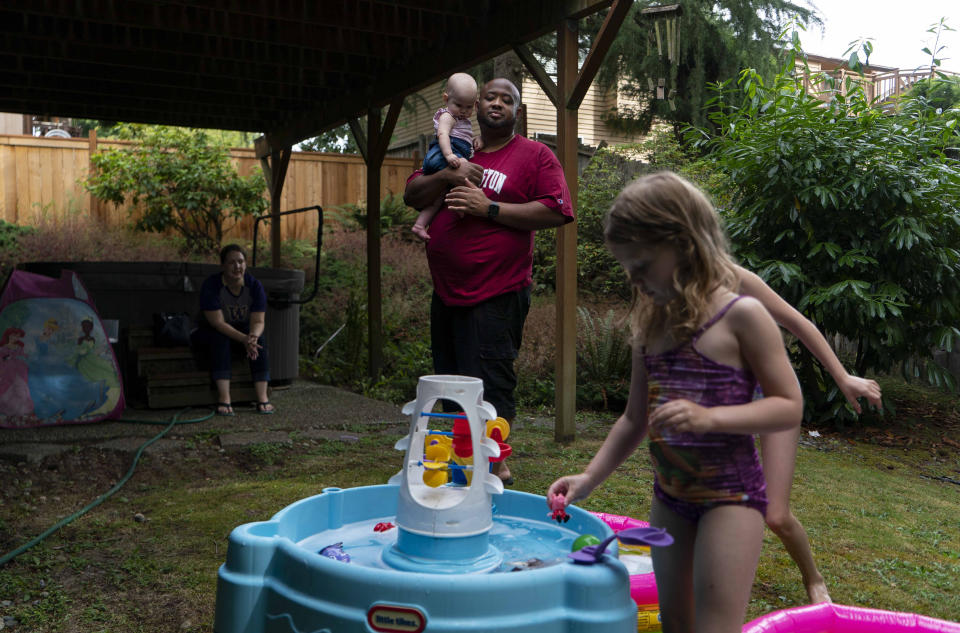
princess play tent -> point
(56, 363)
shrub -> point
(597, 271)
(395, 216)
(10, 236)
(851, 214)
(296, 254)
(603, 359)
(337, 320)
(598, 274)
(940, 93)
(183, 180)
(80, 239)
(536, 361)
(337, 323)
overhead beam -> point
(360, 138)
(393, 114)
(538, 72)
(591, 65)
(395, 81)
(598, 51)
(287, 61)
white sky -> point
(898, 29)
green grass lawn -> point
(880, 504)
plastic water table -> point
(427, 552)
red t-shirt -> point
(472, 259)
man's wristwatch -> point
(493, 210)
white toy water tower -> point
(444, 528)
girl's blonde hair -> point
(663, 208)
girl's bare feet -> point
(817, 592)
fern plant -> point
(604, 355)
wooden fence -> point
(40, 178)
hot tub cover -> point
(56, 363)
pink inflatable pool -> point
(838, 618)
(643, 586)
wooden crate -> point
(192, 389)
(165, 377)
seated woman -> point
(233, 304)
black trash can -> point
(282, 331)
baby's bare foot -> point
(421, 232)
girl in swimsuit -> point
(700, 350)
(778, 451)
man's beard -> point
(496, 124)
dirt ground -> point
(210, 452)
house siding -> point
(417, 122)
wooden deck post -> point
(274, 162)
(566, 300)
(91, 150)
(572, 85)
(374, 287)
(373, 147)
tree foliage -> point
(338, 140)
(851, 213)
(609, 171)
(177, 179)
(940, 93)
(714, 40)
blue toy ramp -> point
(56, 363)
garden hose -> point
(9, 556)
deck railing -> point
(891, 85)
(880, 87)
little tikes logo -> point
(389, 618)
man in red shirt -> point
(480, 251)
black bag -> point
(172, 329)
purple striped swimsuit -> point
(695, 472)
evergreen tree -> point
(702, 42)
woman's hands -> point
(252, 346)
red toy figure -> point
(383, 527)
